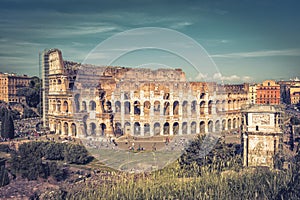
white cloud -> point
(201, 76)
(266, 53)
(231, 78)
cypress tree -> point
(7, 127)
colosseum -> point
(90, 101)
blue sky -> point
(249, 40)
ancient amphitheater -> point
(90, 101)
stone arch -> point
(210, 126)
(210, 104)
(92, 105)
(73, 130)
(127, 107)
(59, 128)
(93, 128)
(157, 128)
(157, 107)
(234, 104)
(184, 128)
(59, 81)
(194, 107)
(76, 101)
(66, 128)
(166, 128)
(65, 107)
(202, 127)
(234, 123)
(58, 106)
(223, 125)
(193, 127)
(147, 106)
(218, 106)
(229, 105)
(184, 107)
(167, 108)
(118, 128)
(137, 108)
(147, 129)
(175, 128)
(102, 129)
(217, 126)
(127, 128)
(117, 106)
(228, 124)
(137, 128)
(202, 107)
(223, 105)
(83, 105)
(176, 108)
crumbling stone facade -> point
(262, 134)
(101, 101)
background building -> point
(9, 85)
(268, 93)
(252, 94)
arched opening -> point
(137, 109)
(118, 128)
(93, 128)
(76, 100)
(234, 104)
(108, 106)
(166, 108)
(137, 128)
(58, 106)
(202, 107)
(83, 106)
(184, 108)
(117, 106)
(66, 128)
(234, 123)
(184, 128)
(127, 128)
(127, 107)
(147, 129)
(223, 125)
(102, 129)
(217, 126)
(229, 105)
(228, 124)
(223, 105)
(73, 130)
(147, 106)
(210, 126)
(59, 128)
(92, 105)
(202, 127)
(156, 128)
(193, 128)
(210, 103)
(65, 106)
(218, 106)
(194, 107)
(157, 107)
(175, 128)
(202, 95)
(176, 108)
(53, 105)
(166, 128)
(58, 81)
